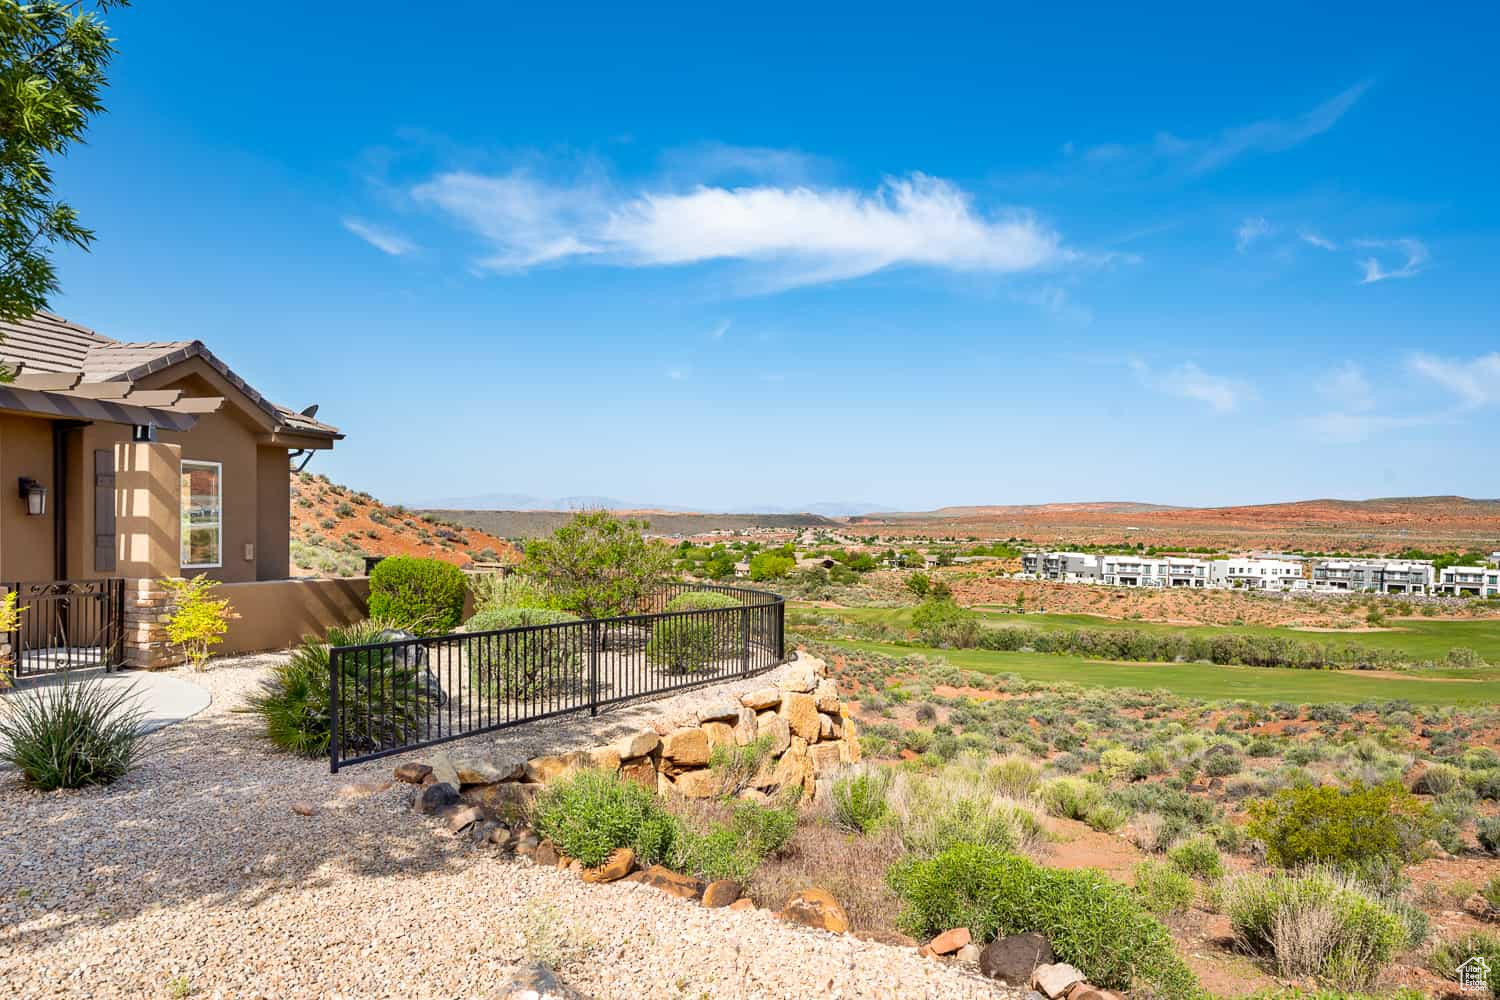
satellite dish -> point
(311, 411)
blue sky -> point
(723, 258)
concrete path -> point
(164, 698)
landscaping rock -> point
(801, 713)
(1013, 959)
(463, 817)
(527, 843)
(827, 695)
(435, 798)
(604, 758)
(485, 770)
(799, 678)
(302, 807)
(724, 892)
(546, 854)
(510, 800)
(825, 757)
(950, 941)
(536, 982)
(552, 767)
(639, 745)
(778, 730)
(816, 908)
(619, 864)
(700, 784)
(670, 882)
(761, 699)
(411, 772)
(719, 734)
(443, 770)
(745, 727)
(642, 771)
(743, 903)
(968, 953)
(1055, 980)
(685, 747)
(1088, 991)
(719, 712)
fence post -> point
(593, 668)
(333, 710)
(780, 631)
(745, 641)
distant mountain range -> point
(523, 501)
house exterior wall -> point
(147, 499)
(26, 542)
(273, 536)
(275, 614)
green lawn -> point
(1209, 681)
(1419, 638)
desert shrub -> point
(1315, 922)
(1094, 923)
(71, 734)
(735, 767)
(846, 865)
(598, 565)
(1162, 888)
(508, 590)
(959, 802)
(735, 849)
(1488, 832)
(385, 695)
(858, 798)
(1438, 779)
(1347, 828)
(517, 666)
(595, 812)
(1106, 817)
(1448, 955)
(1198, 857)
(943, 622)
(1015, 776)
(197, 621)
(425, 596)
(1070, 798)
(1221, 765)
(701, 600)
(1118, 763)
(688, 644)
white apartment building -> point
(1257, 573)
(1473, 581)
(1383, 576)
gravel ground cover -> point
(193, 876)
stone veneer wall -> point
(810, 729)
(147, 605)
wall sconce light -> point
(35, 495)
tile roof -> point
(48, 343)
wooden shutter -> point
(104, 511)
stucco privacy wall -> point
(273, 614)
(26, 542)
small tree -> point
(919, 584)
(198, 620)
(599, 565)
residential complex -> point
(1272, 572)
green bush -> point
(941, 621)
(859, 802)
(1070, 798)
(770, 566)
(425, 596)
(71, 734)
(688, 644)
(1347, 828)
(961, 801)
(1199, 858)
(527, 665)
(1448, 955)
(1316, 922)
(1093, 923)
(1488, 832)
(1162, 888)
(293, 701)
(593, 813)
(702, 600)
(735, 849)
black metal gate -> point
(67, 624)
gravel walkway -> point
(193, 877)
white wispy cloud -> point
(677, 374)
(1057, 303)
(1221, 393)
(809, 234)
(381, 239)
(720, 328)
(1475, 381)
(1414, 256)
(1313, 238)
(1206, 153)
(1252, 229)
(1352, 428)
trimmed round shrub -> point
(518, 666)
(425, 596)
(1092, 922)
(688, 644)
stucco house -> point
(133, 461)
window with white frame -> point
(202, 515)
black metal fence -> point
(390, 697)
(67, 624)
